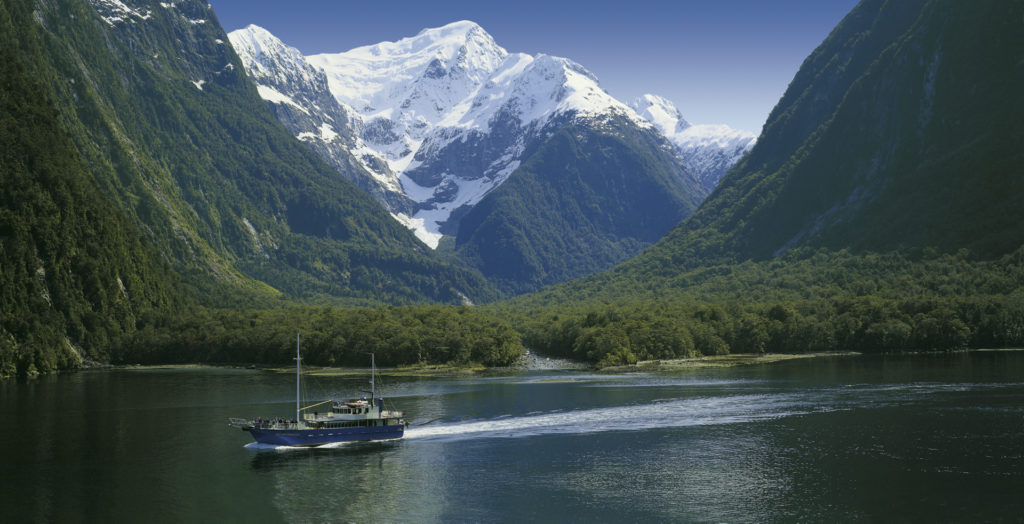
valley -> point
(171, 187)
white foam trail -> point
(700, 411)
(674, 413)
(663, 414)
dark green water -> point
(925, 438)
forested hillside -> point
(881, 209)
(903, 129)
(75, 272)
(586, 198)
(142, 172)
(176, 134)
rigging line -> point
(315, 405)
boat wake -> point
(680, 412)
(693, 411)
(653, 415)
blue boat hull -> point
(317, 437)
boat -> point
(357, 419)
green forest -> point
(398, 336)
(75, 274)
(805, 301)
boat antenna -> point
(298, 365)
(373, 371)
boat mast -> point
(373, 371)
(298, 364)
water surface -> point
(923, 438)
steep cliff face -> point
(902, 129)
(75, 271)
(176, 135)
(299, 96)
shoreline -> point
(747, 359)
(722, 361)
(425, 370)
(444, 370)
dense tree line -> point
(625, 333)
(807, 301)
(404, 335)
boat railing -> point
(264, 424)
(391, 414)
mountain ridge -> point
(884, 127)
(448, 116)
(175, 133)
(900, 133)
(457, 81)
(707, 150)
(574, 207)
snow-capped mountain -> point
(443, 117)
(453, 112)
(299, 95)
(708, 151)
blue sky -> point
(719, 61)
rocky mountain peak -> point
(446, 116)
(708, 151)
